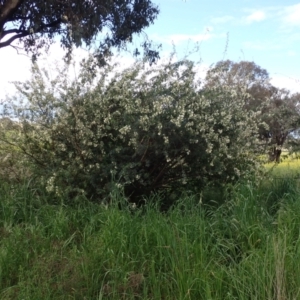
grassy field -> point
(246, 248)
(289, 166)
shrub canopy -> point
(142, 129)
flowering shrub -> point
(142, 129)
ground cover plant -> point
(247, 248)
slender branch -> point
(17, 49)
(17, 18)
(24, 151)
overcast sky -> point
(264, 31)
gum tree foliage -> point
(283, 117)
(280, 108)
(35, 24)
(142, 129)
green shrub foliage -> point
(143, 129)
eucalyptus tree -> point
(106, 23)
(279, 107)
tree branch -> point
(7, 10)
(17, 36)
(10, 31)
(23, 33)
(17, 18)
(52, 24)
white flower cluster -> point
(148, 129)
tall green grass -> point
(246, 248)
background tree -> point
(35, 24)
(280, 108)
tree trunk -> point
(274, 154)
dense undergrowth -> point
(245, 248)
(114, 188)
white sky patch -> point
(222, 20)
(291, 53)
(263, 46)
(14, 67)
(177, 39)
(201, 71)
(292, 15)
(256, 16)
(17, 66)
(281, 81)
